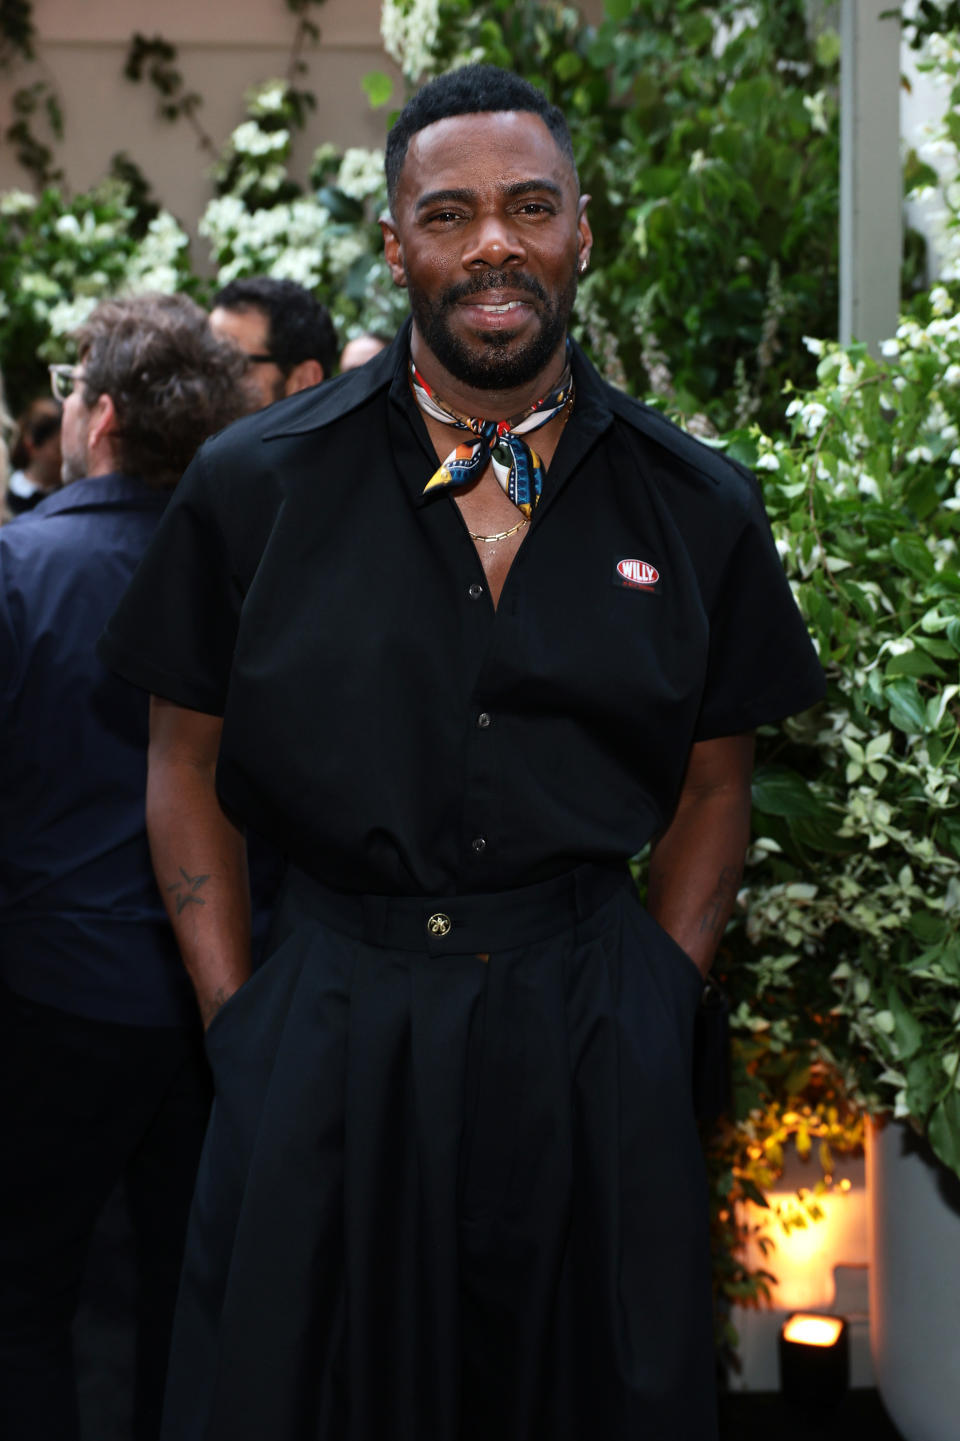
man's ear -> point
(302, 376)
(584, 234)
(393, 251)
(102, 423)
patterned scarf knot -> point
(516, 464)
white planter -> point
(914, 1284)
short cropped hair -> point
(171, 381)
(300, 327)
(471, 90)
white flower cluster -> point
(409, 29)
(816, 108)
(287, 241)
(361, 174)
(250, 139)
(68, 315)
(17, 202)
(155, 262)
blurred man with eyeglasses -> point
(102, 1075)
(286, 335)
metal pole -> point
(871, 188)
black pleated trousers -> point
(452, 1188)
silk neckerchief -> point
(516, 465)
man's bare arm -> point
(199, 855)
(697, 864)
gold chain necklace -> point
(501, 534)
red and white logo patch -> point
(637, 574)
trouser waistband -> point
(457, 925)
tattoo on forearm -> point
(212, 1004)
(721, 902)
(187, 888)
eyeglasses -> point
(63, 380)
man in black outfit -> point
(102, 1073)
(468, 630)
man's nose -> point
(493, 241)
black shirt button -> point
(478, 845)
(483, 720)
(475, 591)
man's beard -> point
(500, 363)
(74, 464)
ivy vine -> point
(154, 60)
(32, 103)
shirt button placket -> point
(479, 843)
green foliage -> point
(138, 191)
(58, 257)
(929, 18)
(154, 60)
(849, 943)
(32, 103)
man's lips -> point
(496, 309)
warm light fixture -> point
(812, 1330)
(814, 1360)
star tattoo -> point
(183, 896)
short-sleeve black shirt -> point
(383, 723)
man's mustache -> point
(493, 280)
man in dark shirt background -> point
(285, 333)
(102, 1075)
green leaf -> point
(567, 65)
(378, 87)
(779, 791)
(913, 662)
(927, 926)
(618, 9)
(951, 825)
(912, 555)
(819, 833)
(940, 648)
(953, 632)
(924, 1081)
(660, 180)
(828, 48)
(909, 1033)
(744, 449)
(907, 710)
(943, 1130)
(922, 496)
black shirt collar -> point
(593, 411)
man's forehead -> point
(245, 319)
(450, 152)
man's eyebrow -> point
(525, 187)
(435, 197)
(464, 196)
